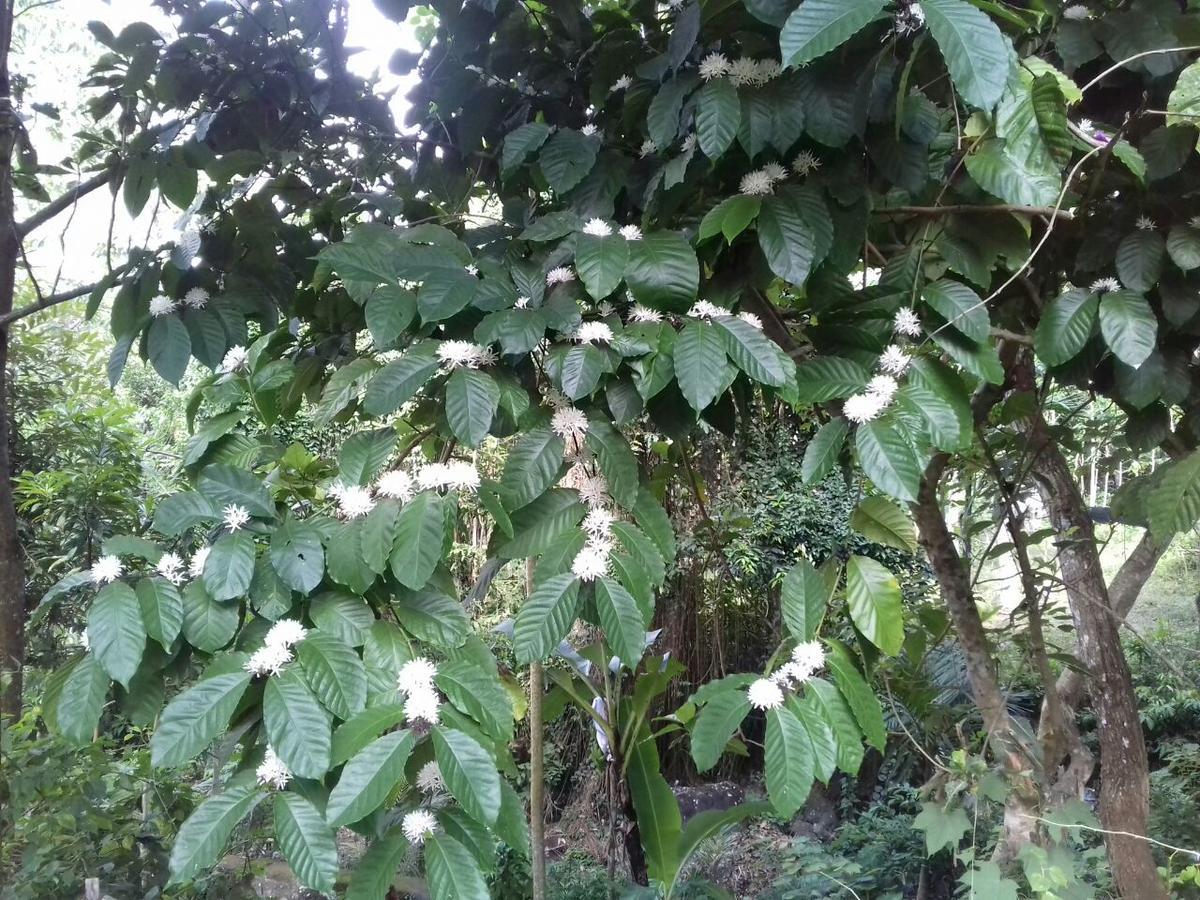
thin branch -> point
(54, 299)
(954, 209)
(64, 201)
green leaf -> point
(520, 142)
(306, 842)
(704, 825)
(451, 871)
(229, 567)
(195, 717)
(1065, 326)
(207, 624)
(662, 116)
(478, 694)
(621, 620)
(364, 455)
(203, 836)
(469, 773)
(786, 240)
(537, 525)
(334, 672)
(81, 700)
(753, 353)
(545, 618)
(397, 382)
(837, 714)
(297, 555)
(1129, 326)
(818, 26)
(960, 306)
(169, 347)
(888, 459)
(297, 726)
(822, 452)
(820, 735)
(656, 809)
(582, 366)
(1000, 171)
(879, 520)
(445, 293)
(829, 378)
(375, 872)
(344, 616)
(942, 827)
(804, 596)
(716, 724)
(179, 512)
(377, 535)
(1183, 106)
(663, 271)
(471, 401)
(730, 217)
(718, 113)
(389, 310)
(531, 468)
(600, 262)
(653, 519)
(977, 54)
(788, 761)
(1174, 503)
(1183, 246)
(162, 609)
(618, 465)
(873, 598)
(432, 616)
(369, 777)
(857, 694)
(351, 736)
(700, 364)
(567, 158)
(116, 632)
(224, 485)
(1139, 260)
(420, 533)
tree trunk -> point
(1125, 782)
(12, 570)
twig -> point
(1133, 834)
(55, 299)
(63, 201)
(953, 209)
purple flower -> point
(1102, 137)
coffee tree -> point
(601, 222)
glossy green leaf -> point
(76, 713)
(888, 459)
(203, 835)
(334, 672)
(194, 718)
(532, 467)
(818, 26)
(116, 632)
(1065, 326)
(716, 723)
(375, 872)
(451, 871)
(1139, 260)
(545, 618)
(600, 262)
(857, 694)
(788, 761)
(229, 566)
(471, 401)
(873, 598)
(297, 726)
(823, 451)
(718, 112)
(699, 364)
(369, 777)
(753, 353)
(1128, 325)
(663, 271)
(306, 842)
(420, 533)
(469, 773)
(976, 52)
(804, 597)
(397, 382)
(882, 521)
(621, 620)
(618, 465)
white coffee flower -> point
(641, 313)
(752, 320)
(591, 562)
(1087, 126)
(906, 322)
(768, 70)
(569, 423)
(559, 275)
(285, 633)
(236, 360)
(589, 129)
(355, 501)
(472, 270)
(1194, 222)
(862, 408)
(429, 779)
(422, 706)
(689, 144)
(774, 171)
(745, 71)
(597, 228)
(593, 490)
(702, 309)
(418, 825)
(605, 309)
(1104, 286)
(765, 694)
(593, 332)
(623, 83)
(1077, 12)
(894, 360)
(269, 659)
(910, 19)
(522, 303)
(1145, 223)
(272, 772)
(756, 184)
(106, 568)
(809, 656)
(196, 298)
(170, 567)
(648, 148)
(631, 232)
(397, 484)
(416, 675)
(235, 516)
(805, 162)
(884, 386)
(161, 306)
(455, 354)
(715, 65)
(598, 523)
(196, 564)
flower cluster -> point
(161, 306)
(455, 354)
(906, 322)
(276, 651)
(454, 475)
(571, 425)
(807, 659)
(170, 567)
(805, 162)
(106, 568)
(910, 19)
(597, 228)
(272, 772)
(559, 275)
(630, 232)
(1145, 223)
(418, 825)
(236, 360)
(421, 700)
(396, 484)
(196, 298)
(640, 313)
(703, 309)
(196, 563)
(593, 333)
(1104, 286)
(235, 516)
(593, 489)
(429, 779)
(868, 405)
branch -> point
(972, 208)
(64, 201)
(54, 299)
